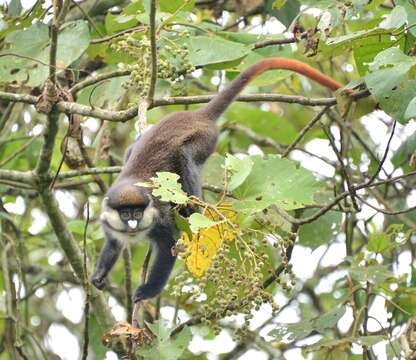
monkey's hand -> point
(146, 291)
(98, 281)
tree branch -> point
(153, 78)
(74, 256)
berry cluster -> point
(233, 284)
(287, 278)
(172, 59)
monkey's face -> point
(130, 219)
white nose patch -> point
(132, 223)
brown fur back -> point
(158, 149)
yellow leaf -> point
(205, 243)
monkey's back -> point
(161, 147)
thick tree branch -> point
(89, 171)
(27, 177)
(91, 80)
(152, 29)
(125, 115)
(44, 162)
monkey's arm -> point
(162, 265)
(189, 178)
(108, 257)
(189, 172)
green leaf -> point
(213, 169)
(200, 50)
(168, 189)
(14, 8)
(239, 170)
(388, 82)
(166, 347)
(277, 4)
(391, 238)
(374, 274)
(275, 181)
(405, 298)
(33, 43)
(366, 48)
(106, 94)
(328, 320)
(116, 23)
(411, 109)
(406, 149)
(182, 224)
(286, 14)
(321, 231)
(302, 329)
(366, 44)
(395, 19)
(264, 123)
(198, 221)
(77, 226)
(73, 40)
(410, 12)
(172, 6)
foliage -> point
(312, 222)
(166, 347)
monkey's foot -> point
(98, 282)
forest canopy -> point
(303, 244)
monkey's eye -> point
(125, 215)
(137, 214)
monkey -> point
(180, 143)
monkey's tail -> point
(219, 103)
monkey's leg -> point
(162, 265)
(108, 257)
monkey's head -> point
(128, 208)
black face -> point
(131, 216)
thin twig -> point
(302, 133)
(90, 171)
(116, 35)
(339, 198)
(18, 152)
(5, 116)
(386, 212)
(127, 280)
(93, 79)
(86, 288)
(136, 307)
(342, 166)
(386, 151)
(283, 41)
